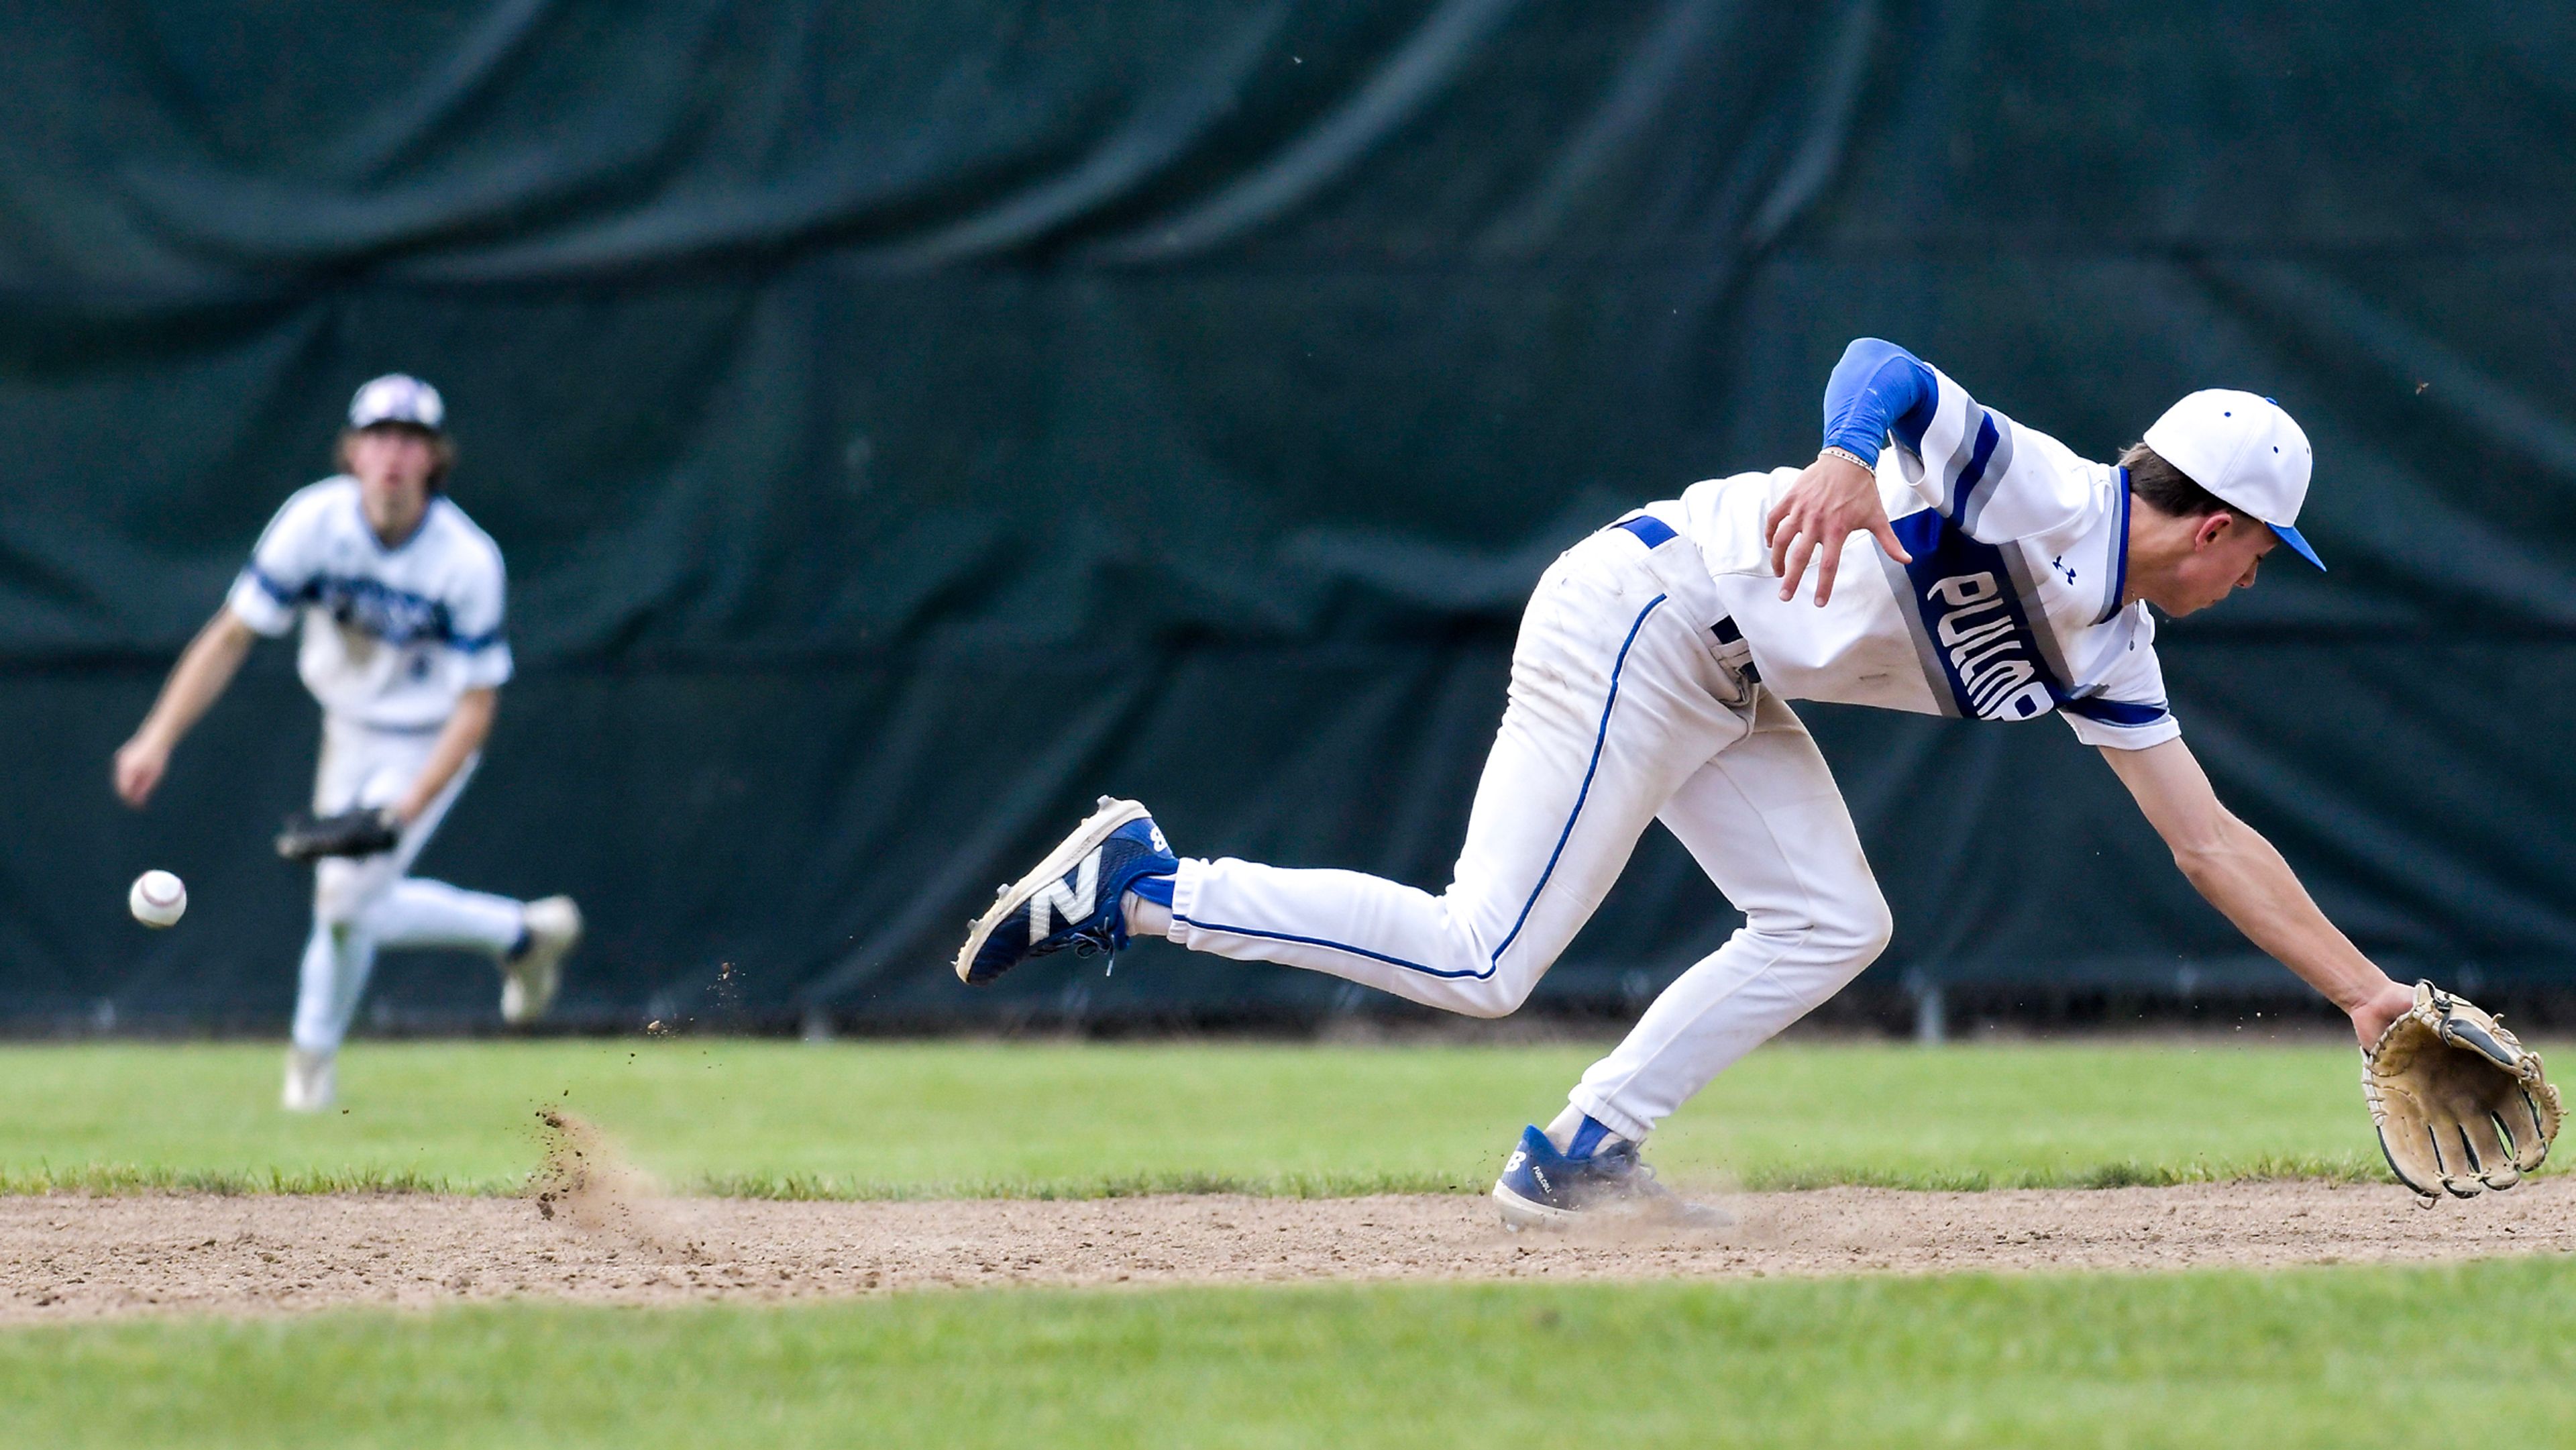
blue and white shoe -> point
(1543, 1188)
(1073, 899)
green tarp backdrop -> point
(905, 422)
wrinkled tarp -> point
(905, 422)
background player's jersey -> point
(392, 637)
(2010, 609)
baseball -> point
(157, 898)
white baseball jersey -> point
(392, 636)
(2011, 608)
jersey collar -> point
(357, 500)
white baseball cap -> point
(398, 398)
(2246, 452)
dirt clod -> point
(582, 1176)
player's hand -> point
(2371, 1016)
(1832, 500)
(140, 763)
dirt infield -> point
(73, 1257)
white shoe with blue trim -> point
(530, 979)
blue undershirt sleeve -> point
(1876, 389)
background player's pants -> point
(1619, 713)
(368, 902)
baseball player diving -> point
(1652, 680)
(401, 601)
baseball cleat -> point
(531, 976)
(1075, 898)
(312, 1081)
(1543, 1188)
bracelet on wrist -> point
(1831, 450)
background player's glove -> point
(362, 832)
(2458, 1101)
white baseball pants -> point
(1620, 712)
(363, 903)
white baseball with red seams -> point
(157, 899)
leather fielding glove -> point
(362, 832)
(2460, 1104)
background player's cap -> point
(2246, 451)
(398, 398)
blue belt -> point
(1654, 533)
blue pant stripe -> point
(1600, 738)
(1316, 941)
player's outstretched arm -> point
(2240, 873)
(195, 683)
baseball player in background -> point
(1652, 679)
(401, 600)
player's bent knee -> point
(342, 898)
(1871, 927)
(1494, 996)
(338, 910)
(1851, 930)
(1861, 931)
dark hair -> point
(441, 447)
(2168, 489)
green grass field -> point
(772, 1118)
(2327, 1356)
(2309, 1357)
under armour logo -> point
(2059, 564)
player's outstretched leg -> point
(528, 941)
(1074, 897)
(1618, 692)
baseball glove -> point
(2459, 1103)
(362, 832)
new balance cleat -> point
(1543, 1188)
(1073, 899)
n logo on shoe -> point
(1070, 899)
